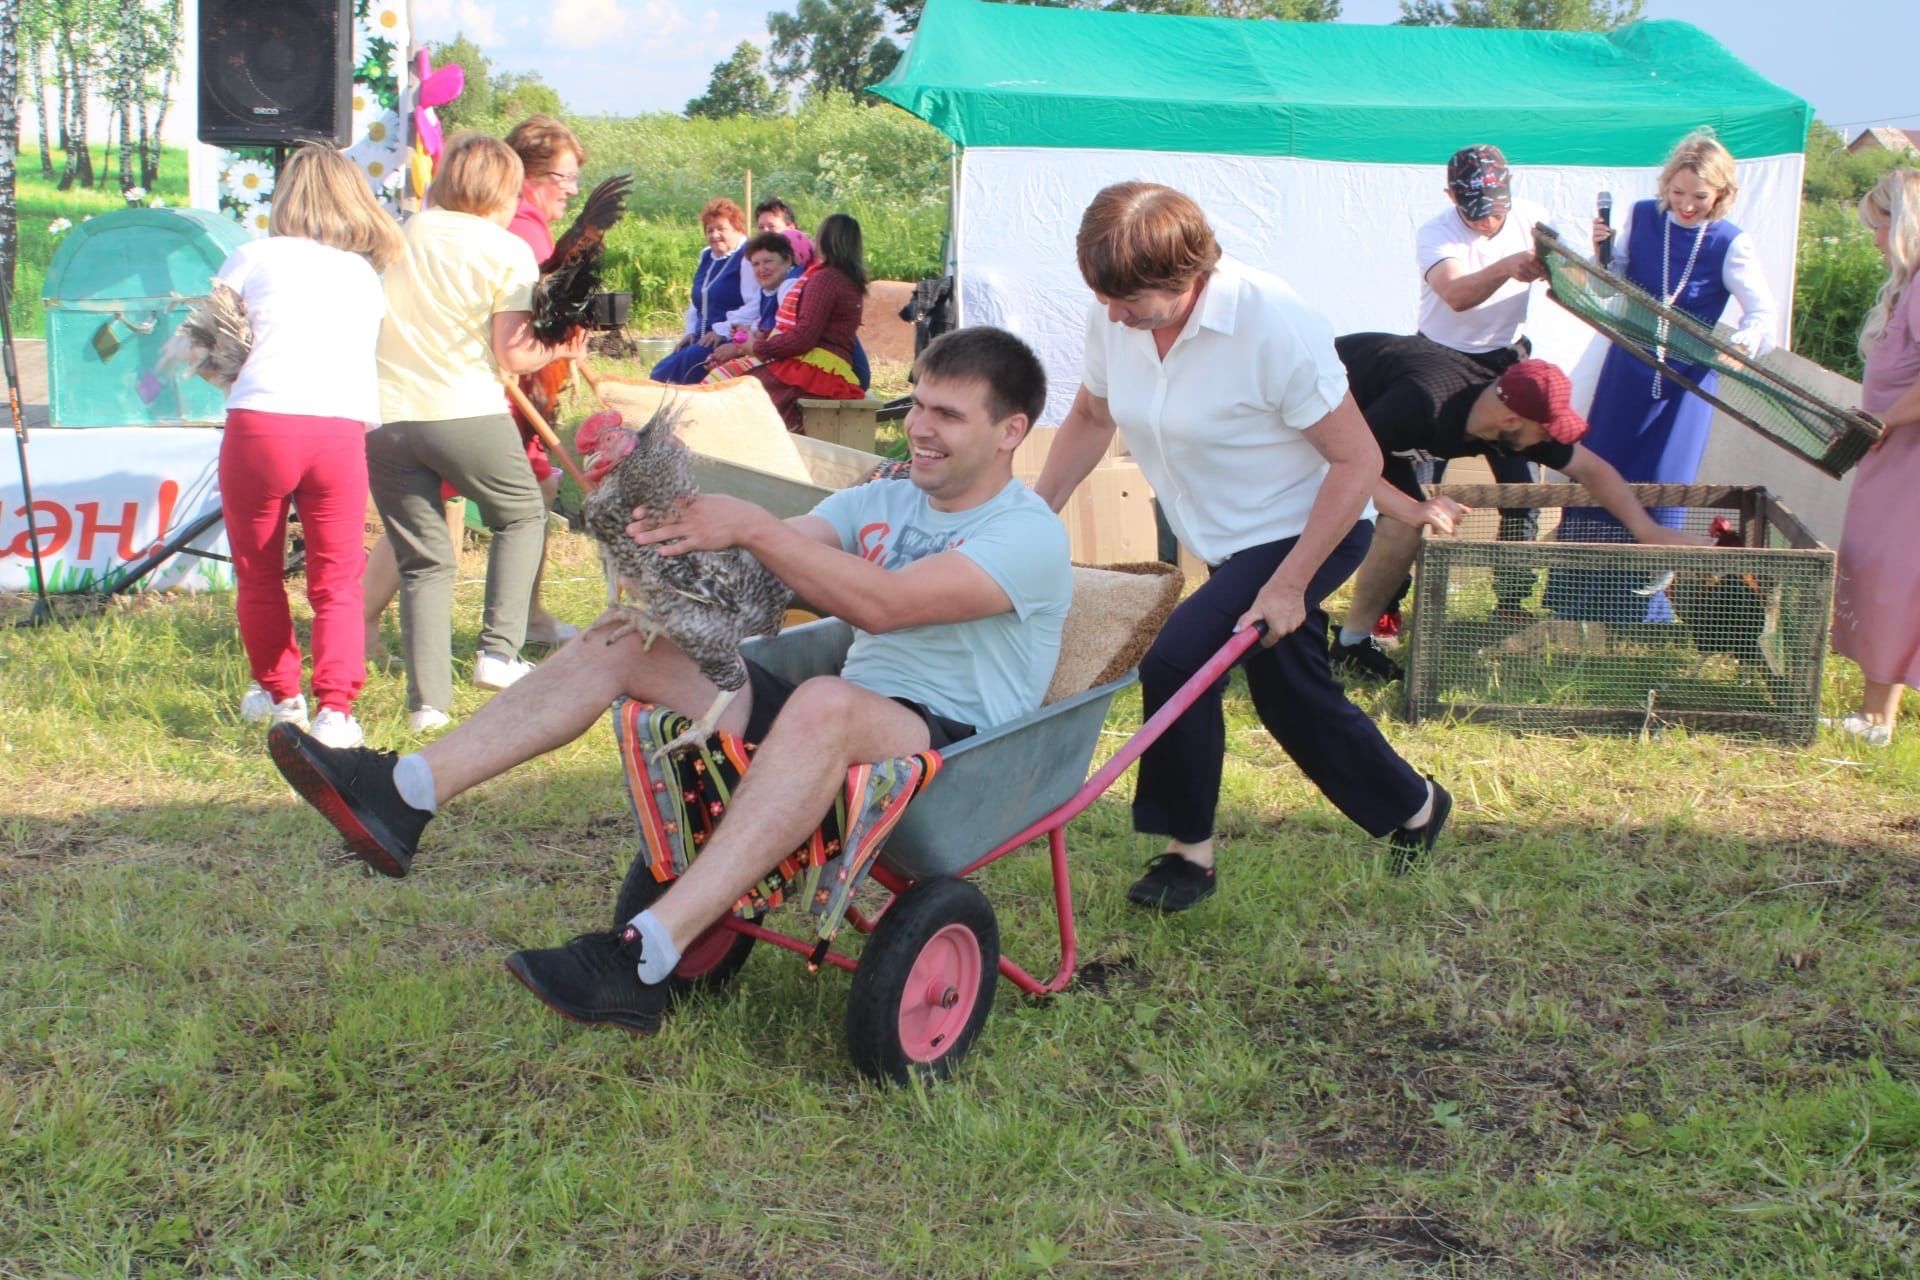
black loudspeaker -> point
(275, 72)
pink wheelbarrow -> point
(924, 983)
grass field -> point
(1650, 1013)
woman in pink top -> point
(1876, 605)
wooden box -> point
(849, 423)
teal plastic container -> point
(117, 288)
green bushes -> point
(1839, 273)
(879, 164)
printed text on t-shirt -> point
(914, 543)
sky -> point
(1854, 60)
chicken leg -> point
(702, 729)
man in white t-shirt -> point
(1476, 261)
(1477, 268)
(957, 585)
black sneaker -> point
(1363, 658)
(1172, 883)
(352, 788)
(1411, 845)
(593, 979)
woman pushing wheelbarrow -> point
(1229, 394)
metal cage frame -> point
(1774, 543)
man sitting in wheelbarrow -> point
(957, 586)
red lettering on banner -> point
(56, 522)
(51, 540)
(169, 491)
(91, 527)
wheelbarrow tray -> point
(831, 466)
(990, 786)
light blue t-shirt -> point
(987, 671)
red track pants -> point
(267, 459)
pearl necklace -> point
(1667, 297)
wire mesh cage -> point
(1587, 629)
(1757, 392)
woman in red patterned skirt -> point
(812, 357)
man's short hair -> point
(1015, 380)
(1141, 235)
(774, 242)
(774, 204)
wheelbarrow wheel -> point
(925, 982)
(715, 957)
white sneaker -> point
(337, 729)
(556, 634)
(491, 671)
(1855, 725)
(258, 705)
(427, 719)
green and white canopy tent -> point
(1316, 149)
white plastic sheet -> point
(1340, 234)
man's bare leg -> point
(561, 698)
(827, 726)
(621, 978)
(1395, 545)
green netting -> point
(1551, 635)
(1759, 393)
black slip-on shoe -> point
(1365, 657)
(1411, 845)
(593, 979)
(352, 787)
(1172, 883)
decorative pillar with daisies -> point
(378, 146)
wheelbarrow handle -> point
(1184, 697)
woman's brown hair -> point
(539, 140)
(1141, 235)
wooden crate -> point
(851, 423)
(1109, 518)
(1613, 635)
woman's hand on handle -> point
(1279, 610)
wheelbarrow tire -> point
(925, 982)
(714, 959)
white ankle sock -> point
(1349, 636)
(413, 779)
(1421, 818)
(658, 956)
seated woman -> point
(771, 256)
(723, 288)
(812, 356)
(775, 214)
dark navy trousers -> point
(1335, 744)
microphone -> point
(1604, 207)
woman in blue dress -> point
(725, 294)
(1680, 248)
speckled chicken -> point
(706, 602)
(217, 336)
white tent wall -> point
(1341, 234)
